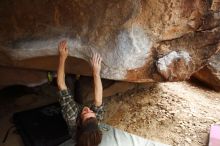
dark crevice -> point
(16, 91)
(198, 83)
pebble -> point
(188, 140)
(134, 120)
(143, 117)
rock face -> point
(210, 74)
(16, 76)
(139, 40)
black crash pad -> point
(42, 126)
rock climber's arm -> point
(98, 89)
(63, 53)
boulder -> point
(210, 74)
(17, 76)
(139, 40)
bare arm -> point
(98, 89)
(69, 107)
(63, 53)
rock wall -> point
(139, 40)
(210, 74)
(16, 76)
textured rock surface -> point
(16, 76)
(210, 74)
(139, 40)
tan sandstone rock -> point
(139, 40)
(17, 76)
(210, 74)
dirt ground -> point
(178, 113)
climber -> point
(82, 120)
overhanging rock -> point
(139, 40)
(210, 74)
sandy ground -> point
(178, 113)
